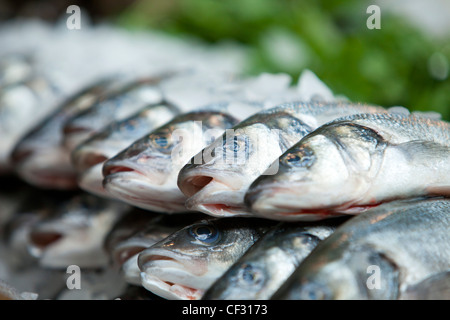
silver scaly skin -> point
(378, 254)
(353, 163)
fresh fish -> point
(75, 233)
(23, 105)
(145, 174)
(7, 292)
(353, 163)
(216, 185)
(137, 233)
(270, 261)
(436, 287)
(376, 255)
(187, 263)
(39, 158)
(88, 158)
(123, 103)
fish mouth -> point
(213, 195)
(73, 136)
(40, 240)
(164, 274)
(21, 155)
(83, 161)
(135, 188)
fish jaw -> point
(138, 190)
(172, 275)
(47, 168)
(218, 195)
(92, 181)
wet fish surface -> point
(39, 158)
(270, 261)
(217, 184)
(88, 158)
(376, 255)
(353, 163)
(122, 103)
(145, 174)
(187, 262)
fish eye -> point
(314, 291)
(204, 233)
(161, 141)
(250, 275)
(302, 158)
(238, 144)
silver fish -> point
(124, 250)
(377, 254)
(353, 163)
(145, 174)
(88, 158)
(187, 263)
(15, 68)
(22, 106)
(270, 261)
(126, 101)
(39, 158)
(75, 233)
(217, 185)
(435, 287)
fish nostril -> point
(195, 184)
(43, 239)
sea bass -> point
(138, 231)
(129, 99)
(230, 164)
(186, 263)
(39, 158)
(75, 233)
(145, 174)
(22, 106)
(378, 254)
(270, 261)
(353, 163)
(88, 158)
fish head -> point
(75, 233)
(145, 174)
(88, 158)
(117, 106)
(187, 262)
(325, 173)
(217, 183)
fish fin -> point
(427, 150)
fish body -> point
(40, 158)
(22, 106)
(88, 158)
(74, 234)
(353, 163)
(270, 261)
(7, 292)
(217, 185)
(124, 102)
(378, 254)
(435, 287)
(145, 174)
(186, 263)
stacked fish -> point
(193, 184)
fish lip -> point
(42, 239)
(84, 160)
(113, 184)
(128, 166)
(20, 155)
(153, 259)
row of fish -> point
(123, 250)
